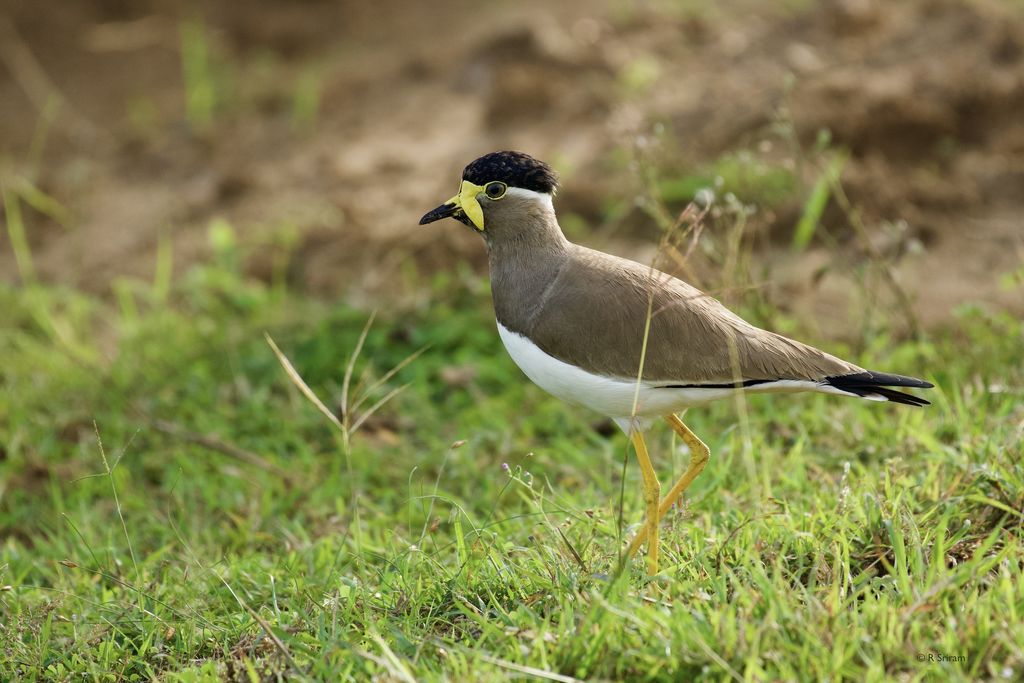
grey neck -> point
(523, 265)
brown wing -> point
(595, 314)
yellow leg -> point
(652, 493)
(699, 456)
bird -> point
(622, 338)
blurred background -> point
(871, 153)
(180, 179)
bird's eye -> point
(495, 190)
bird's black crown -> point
(515, 169)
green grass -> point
(198, 73)
(827, 538)
(741, 173)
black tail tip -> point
(876, 384)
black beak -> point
(443, 211)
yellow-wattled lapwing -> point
(622, 338)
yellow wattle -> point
(468, 201)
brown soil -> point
(927, 95)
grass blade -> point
(297, 380)
(816, 202)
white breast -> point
(609, 396)
(615, 397)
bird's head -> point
(499, 190)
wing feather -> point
(595, 316)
